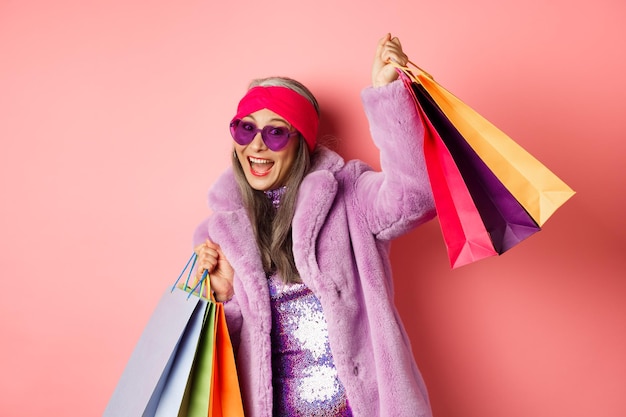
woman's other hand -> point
(212, 259)
(388, 49)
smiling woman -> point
(306, 340)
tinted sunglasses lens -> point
(275, 138)
(242, 132)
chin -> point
(260, 184)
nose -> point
(257, 143)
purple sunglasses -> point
(274, 137)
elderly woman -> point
(297, 247)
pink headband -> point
(293, 107)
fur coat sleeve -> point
(399, 198)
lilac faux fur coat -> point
(346, 215)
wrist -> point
(223, 297)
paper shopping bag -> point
(197, 396)
(463, 230)
(225, 394)
(536, 188)
(507, 222)
(139, 389)
(172, 395)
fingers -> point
(381, 43)
(379, 59)
(208, 255)
(391, 50)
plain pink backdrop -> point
(113, 124)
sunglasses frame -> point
(272, 143)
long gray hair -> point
(272, 227)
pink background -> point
(113, 124)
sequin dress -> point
(305, 379)
(304, 376)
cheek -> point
(287, 159)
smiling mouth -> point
(260, 167)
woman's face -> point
(264, 168)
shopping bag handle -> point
(202, 283)
(409, 69)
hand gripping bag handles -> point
(183, 363)
(512, 191)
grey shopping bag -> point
(154, 379)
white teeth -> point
(259, 161)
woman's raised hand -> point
(388, 49)
(212, 259)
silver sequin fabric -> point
(276, 195)
(305, 379)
